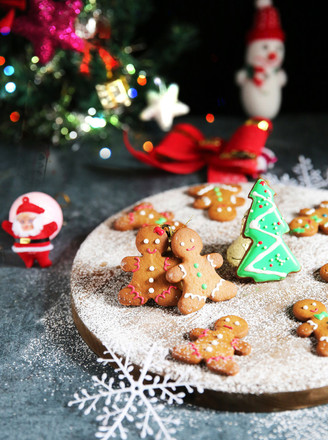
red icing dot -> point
(260, 242)
(260, 206)
(271, 265)
(265, 190)
(262, 183)
(278, 223)
(159, 230)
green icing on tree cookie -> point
(268, 258)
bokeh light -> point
(142, 80)
(92, 111)
(14, 116)
(210, 118)
(130, 69)
(10, 87)
(5, 30)
(132, 93)
(263, 125)
(105, 153)
(148, 146)
(2, 60)
(35, 59)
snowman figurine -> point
(262, 78)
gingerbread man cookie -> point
(149, 269)
(324, 272)
(219, 200)
(216, 347)
(316, 317)
(142, 215)
(197, 273)
(310, 221)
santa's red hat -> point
(26, 206)
(266, 23)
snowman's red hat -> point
(266, 23)
(26, 206)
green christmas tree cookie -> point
(268, 258)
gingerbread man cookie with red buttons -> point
(197, 273)
(144, 214)
(316, 317)
(149, 270)
(310, 221)
(219, 200)
(216, 347)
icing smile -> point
(190, 249)
(151, 252)
(315, 310)
(227, 326)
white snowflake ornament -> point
(163, 106)
(140, 401)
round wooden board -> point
(282, 372)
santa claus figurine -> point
(262, 78)
(31, 231)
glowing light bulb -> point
(130, 69)
(14, 116)
(263, 125)
(10, 87)
(210, 118)
(92, 111)
(105, 153)
(148, 146)
(132, 93)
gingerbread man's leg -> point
(322, 348)
(190, 302)
(187, 353)
(27, 257)
(168, 297)
(129, 296)
(223, 290)
(223, 365)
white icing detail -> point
(210, 260)
(325, 225)
(142, 212)
(209, 349)
(233, 200)
(227, 320)
(151, 268)
(229, 188)
(219, 336)
(151, 290)
(176, 224)
(314, 304)
(314, 325)
(254, 224)
(237, 323)
(310, 211)
(192, 240)
(217, 287)
(323, 205)
(183, 270)
(305, 307)
(207, 201)
(300, 221)
(229, 208)
(173, 228)
(19, 250)
(146, 241)
(219, 209)
(205, 189)
(214, 342)
(324, 338)
(182, 243)
(157, 241)
(151, 280)
(151, 216)
(194, 295)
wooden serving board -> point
(282, 372)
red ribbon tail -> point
(181, 167)
(7, 21)
(215, 175)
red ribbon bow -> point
(185, 150)
(7, 21)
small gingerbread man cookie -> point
(144, 214)
(216, 347)
(197, 273)
(310, 221)
(324, 272)
(219, 200)
(149, 269)
(316, 317)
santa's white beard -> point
(37, 228)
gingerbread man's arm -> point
(215, 260)
(8, 227)
(167, 214)
(130, 264)
(197, 333)
(239, 201)
(304, 330)
(202, 203)
(175, 274)
(242, 348)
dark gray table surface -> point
(43, 359)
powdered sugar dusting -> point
(280, 361)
